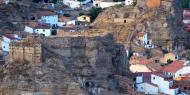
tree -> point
(148, 53)
(94, 13)
(36, 1)
(185, 3)
(53, 1)
(81, 13)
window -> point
(148, 42)
(3, 46)
(125, 21)
(84, 18)
(141, 87)
(96, 5)
(185, 88)
(43, 30)
(154, 78)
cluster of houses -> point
(158, 72)
(86, 4)
(52, 22)
(44, 23)
(96, 3)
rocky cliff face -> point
(88, 56)
(69, 63)
(163, 22)
(89, 59)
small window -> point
(84, 18)
(148, 42)
(96, 5)
(43, 30)
(154, 78)
(3, 46)
(125, 21)
(141, 87)
(185, 88)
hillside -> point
(160, 20)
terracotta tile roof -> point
(63, 18)
(10, 36)
(43, 13)
(31, 24)
(154, 67)
(183, 79)
(145, 61)
(159, 74)
(175, 66)
(43, 26)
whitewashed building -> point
(129, 2)
(147, 88)
(177, 69)
(147, 42)
(165, 85)
(75, 3)
(105, 3)
(45, 30)
(46, 17)
(7, 39)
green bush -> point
(67, 15)
(36, 1)
(185, 3)
(94, 13)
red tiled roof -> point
(10, 36)
(45, 13)
(32, 24)
(145, 61)
(43, 26)
(175, 66)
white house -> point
(165, 85)
(129, 2)
(105, 3)
(51, 19)
(46, 17)
(147, 42)
(66, 21)
(144, 39)
(75, 3)
(147, 88)
(45, 30)
(177, 69)
(7, 1)
(143, 84)
(84, 18)
(7, 39)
